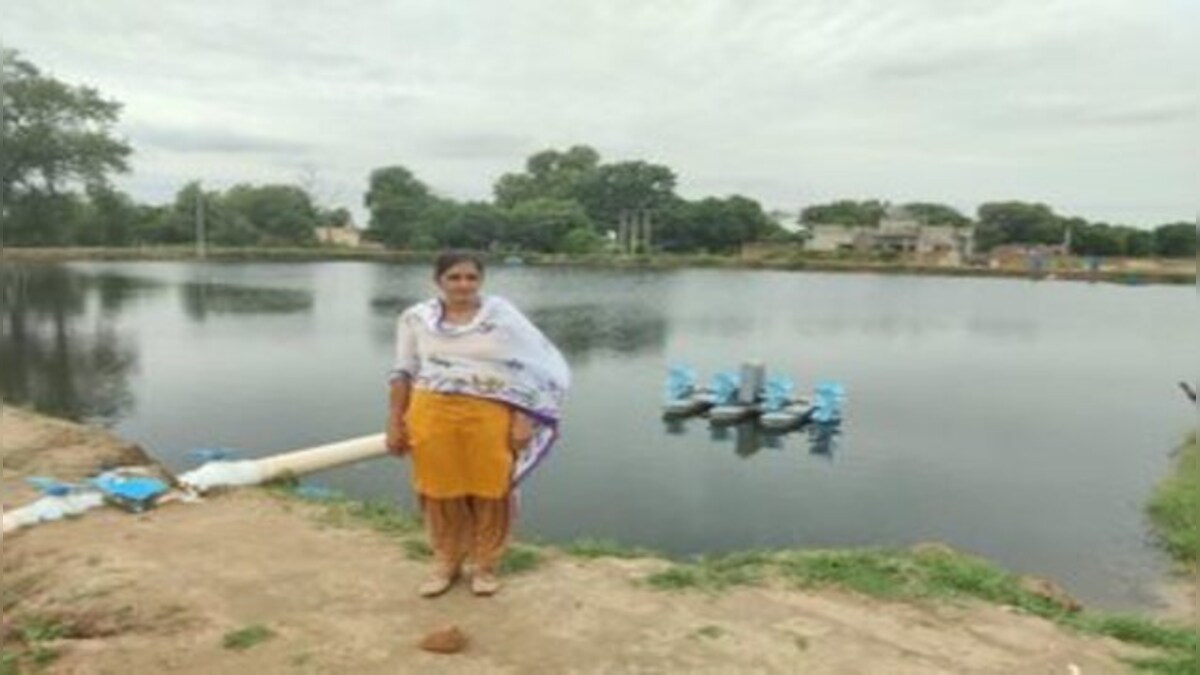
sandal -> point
(484, 584)
(437, 584)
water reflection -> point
(114, 291)
(749, 438)
(51, 357)
(578, 330)
(390, 306)
(202, 298)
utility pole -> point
(200, 248)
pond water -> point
(1024, 421)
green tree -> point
(396, 200)
(936, 214)
(1018, 223)
(1175, 240)
(544, 224)
(845, 212)
(54, 137)
(281, 214)
(625, 187)
(714, 225)
(110, 218)
(338, 217)
(1096, 239)
(549, 174)
(582, 240)
(475, 225)
(1139, 243)
(222, 226)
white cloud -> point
(1089, 105)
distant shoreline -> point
(655, 261)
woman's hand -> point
(521, 432)
(397, 438)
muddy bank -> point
(260, 581)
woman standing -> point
(476, 395)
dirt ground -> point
(158, 592)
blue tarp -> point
(134, 492)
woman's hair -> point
(448, 259)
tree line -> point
(1016, 222)
(59, 154)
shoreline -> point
(652, 262)
(321, 585)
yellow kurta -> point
(460, 446)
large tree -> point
(1175, 240)
(714, 225)
(929, 213)
(54, 138)
(281, 214)
(1016, 222)
(396, 200)
(845, 212)
(549, 174)
(547, 225)
(623, 188)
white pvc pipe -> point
(214, 474)
(322, 457)
(296, 463)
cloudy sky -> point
(1092, 106)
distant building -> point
(898, 234)
(347, 236)
(833, 238)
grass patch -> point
(676, 578)
(1180, 645)
(874, 573)
(40, 629)
(604, 548)
(713, 573)
(42, 656)
(415, 549)
(710, 632)
(9, 663)
(339, 511)
(1174, 508)
(245, 638)
(1176, 664)
(912, 575)
(518, 559)
(1141, 631)
(380, 516)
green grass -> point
(1175, 664)
(380, 516)
(40, 629)
(604, 548)
(930, 574)
(710, 632)
(339, 511)
(1174, 508)
(9, 663)
(713, 573)
(415, 549)
(245, 638)
(518, 559)
(42, 655)
(1180, 645)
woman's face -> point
(460, 284)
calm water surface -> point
(1025, 421)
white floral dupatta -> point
(500, 355)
